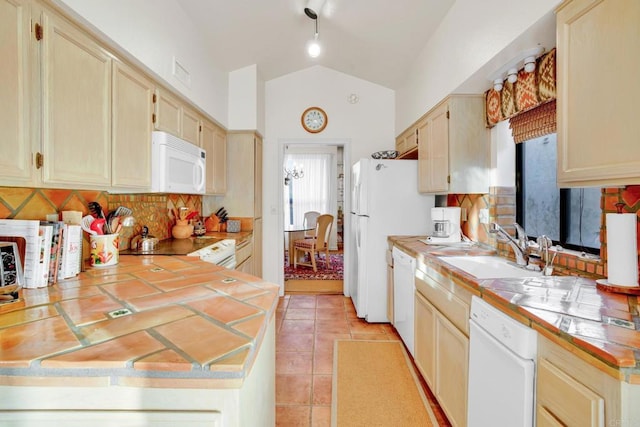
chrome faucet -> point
(519, 246)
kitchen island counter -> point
(172, 324)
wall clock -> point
(314, 119)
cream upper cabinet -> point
(176, 117)
(454, 150)
(168, 114)
(598, 87)
(244, 185)
(257, 177)
(213, 140)
(131, 128)
(15, 148)
(190, 125)
(76, 106)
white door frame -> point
(346, 224)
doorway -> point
(314, 179)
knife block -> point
(212, 223)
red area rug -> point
(336, 272)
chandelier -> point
(296, 173)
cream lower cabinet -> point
(257, 247)
(441, 350)
(390, 287)
(76, 105)
(454, 147)
(131, 128)
(598, 89)
(573, 389)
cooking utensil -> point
(123, 211)
(144, 242)
(85, 224)
(97, 225)
(96, 210)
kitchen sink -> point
(488, 267)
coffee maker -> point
(445, 226)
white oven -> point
(222, 253)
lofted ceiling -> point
(375, 40)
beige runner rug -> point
(374, 384)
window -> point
(570, 217)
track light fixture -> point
(509, 71)
(313, 46)
(312, 11)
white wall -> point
(154, 32)
(503, 156)
(243, 98)
(367, 125)
(472, 33)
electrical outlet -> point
(483, 216)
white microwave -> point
(177, 166)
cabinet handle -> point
(39, 160)
(37, 31)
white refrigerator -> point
(384, 201)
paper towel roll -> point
(622, 249)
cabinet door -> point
(566, 399)
(452, 370)
(131, 127)
(257, 247)
(213, 140)
(257, 207)
(400, 144)
(15, 148)
(598, 88)
(390, 291)
(76, 102)
(190, 126)
(411, 139)
(168, 113)
(424, 339)
(433, 152)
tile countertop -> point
(569, 310)
(191, 324)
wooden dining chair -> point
(320, 243)
(310, 220)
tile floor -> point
(307, 325)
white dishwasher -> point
(404, 286)
(502, 369)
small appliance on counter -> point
(445, 226)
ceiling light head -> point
(313, 47)
(310, 13)
(530, 64)
(497, 85)
(512, 75)
(313, 8)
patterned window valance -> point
(528, 92)
(533, 123)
